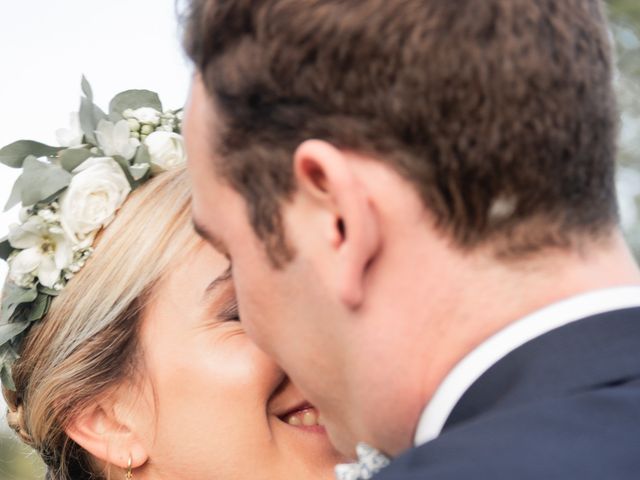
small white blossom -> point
(166, 150)
(147, 115)
(116, 139)
(72, 136)
(48, 215)
(45, 251)
(98, 189)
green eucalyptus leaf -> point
(7, 358)
(9, 330)
(142, 155)
(5, 249)
(134, 99)
(125, 168)
(48, 291)
(39, 307)
(87, 123)
(90, 114)
(72, 157)
(42, 180)
(14, 154)
(6, 377)
(14, 296)
(139, 171)
(86, 88)
(15, 196)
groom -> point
(417, 200)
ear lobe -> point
(326, 175)
(100, 432)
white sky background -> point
(46, 46)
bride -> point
(139, 368)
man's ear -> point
(325, 175)
(108, 432)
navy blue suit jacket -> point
(565, 405)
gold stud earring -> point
(129, 474)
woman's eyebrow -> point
(222, 279)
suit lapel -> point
(599, 350)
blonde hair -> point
(87, 343)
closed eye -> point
(229, 312)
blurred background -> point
(625, 26)
(124, 44)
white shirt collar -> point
(472, 366)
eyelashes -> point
(229, 312)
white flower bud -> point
(134, 125)
(128, 113)
(146, 129)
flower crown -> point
(69, 193)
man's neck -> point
(496, 295)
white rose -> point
(146, 115)
(166, 150)
(98, 189)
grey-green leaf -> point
(9, 330)
(5, 249)
(125, 168)
(7, 357)
(42, 180)
(15, 196)
(14, 154)
(86, 88)
(12, 297)
(72, 157)
(48, 291)
(139, 170)
(6, 377)
(90, 115)
(39, 307)
(142, 155)
(134, 99)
